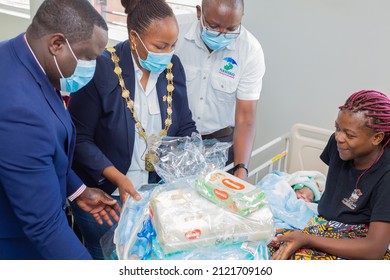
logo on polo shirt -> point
(228, 68)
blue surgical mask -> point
(154, 62)
(81, 76)
(216, 40)
(215, 43)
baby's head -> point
(305, 193)
(308, 190)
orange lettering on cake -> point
(222, 195)
(191, 235)
(233, 185)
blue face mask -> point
(81, 76)
(154, 62)
(215, 43)
(216, 40)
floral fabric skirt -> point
(320, 227)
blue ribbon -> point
(149, 234)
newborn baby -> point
(308, 190)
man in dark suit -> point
(37, 136)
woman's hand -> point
(291, 242)
(124, 184)
(126, 188)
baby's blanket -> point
(289, 211)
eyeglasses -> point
(214, 33)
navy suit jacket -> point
(105, 126)
(37, 140)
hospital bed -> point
(298, 149)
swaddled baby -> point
(307, 190)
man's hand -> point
(99, 204)
(241, 173)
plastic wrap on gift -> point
(222, 235)
(173, 221)
(230, 192)
(180, 157)
(247, 250)
(134, 233)
(184, 220)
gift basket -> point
(198, 212)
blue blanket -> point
(289, 211)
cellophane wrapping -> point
(173, 221)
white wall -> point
(317, 53)
(11, 25)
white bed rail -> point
(278, 149)
(297, 150)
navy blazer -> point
(105, 126)
(37, 140)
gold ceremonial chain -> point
(150, 157)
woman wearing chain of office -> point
(138, 93)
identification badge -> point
(352, 200)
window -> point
(20, 8)
(184, 6)
(113, 13)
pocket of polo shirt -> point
(225, 88)
(190, 74)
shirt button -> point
(198, 118)
(201, 98)
(204, 78)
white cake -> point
(184, 220)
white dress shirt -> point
(148, 110)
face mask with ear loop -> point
(81, 76)
(154, 62)
(216, 40)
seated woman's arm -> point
(373, 246)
